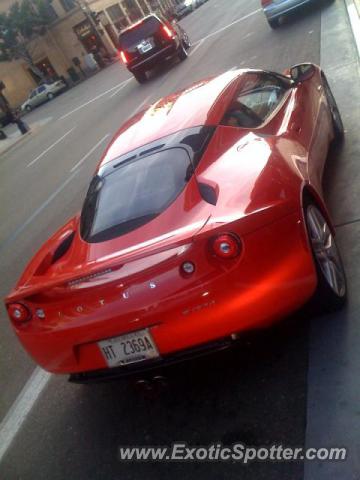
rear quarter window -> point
(136, 35)
(134, 193)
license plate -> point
(144, 47)
(130, 348)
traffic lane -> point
(253, 395)
(218, 14)
(27, 192)
(115, 74)
(104, 80)
(181, 75)
(200, 64)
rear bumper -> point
(156, 58)
(276, 10)
(108, 374)
(274, 277)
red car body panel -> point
(101, 290)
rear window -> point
(135, 192)
(136, 35)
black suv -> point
(149, 42)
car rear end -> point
(100, 300)
(57, 87)
(146, 311)
(147, 43)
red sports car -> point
(205, 219)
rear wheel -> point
(140, 76)
(334, 110)
(182, 54)
(186, 41)
(332, 288)
(273, 22)
(50, 96)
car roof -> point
(139, 22)
(203, 103)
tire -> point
(337, 123)
(50, 96)
(140, 76)
(186, 41)
(331, 291)
(273, 23)
(182, 54)
(28, 108)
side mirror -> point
(302, 72)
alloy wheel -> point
(325, 251)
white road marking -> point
(20, 409)
(17, 232)
(90, 152)
(355, 23)
(138, 108)
(121, 87)
(197, 46)
(94, 99)
(229, 25)
(50, 148)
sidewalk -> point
(13, 138)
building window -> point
(67, 4)
(132, 10)
(117, 16)
(51, 13)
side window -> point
(258, 96)
(32, 94)
(41, 89)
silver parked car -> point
(275, 9)
(42, 94)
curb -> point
(353, 10)
(14, 143)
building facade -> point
(74, 32)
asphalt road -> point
(256, 395)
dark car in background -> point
(184, 8)
(150, 42)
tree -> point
(25, 20)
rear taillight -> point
(124, 57)
(265, 3)
(168, 32)
(226, 245)
(18, 313)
